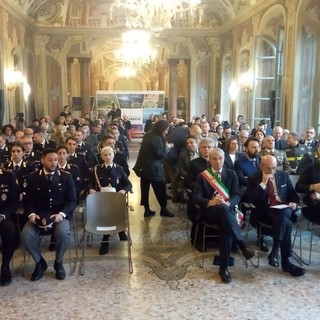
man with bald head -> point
(267, 189)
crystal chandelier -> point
(154, 15)
(127, 72)
(136, 50)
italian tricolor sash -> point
(214, 180)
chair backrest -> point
(294, 179)
(106, 213)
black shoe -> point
(293, 270)
(263, 246)
(123, 236)
(5, 276)
(247, 253)
(41, 266)
(104, 248)
(166, 213)
(225, 275)
(273, 260)
(60, 272)
(149, 213)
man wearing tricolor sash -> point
(217, 193)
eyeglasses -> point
(310, 132)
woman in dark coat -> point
(149, 167)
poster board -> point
(138, 106)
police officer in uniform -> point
(119, 158)
(4, 151)
(31, 156)
(294, 151)
(73, 169)
(50, 201)
(77, 159)
(9, 200)
(21, 170)
(110, 175)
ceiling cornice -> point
(258, 7)
(14, 12)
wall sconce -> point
(246, 81)
(233, 91)
(26, 91)
(13, 79)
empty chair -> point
(106, 213)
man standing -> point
(267, 189)
(217, 193)
(50, 201)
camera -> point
(19, 116)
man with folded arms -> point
(50, 201)
(267, 190)
(217, 193)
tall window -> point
(268, 73)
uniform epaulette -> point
(64, 171)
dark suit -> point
(280, 219)
(45, 198)
(47, 145)
(245, 167)
(75, 174)
(222, 215)
(85, 149)
(5, 155)
(280, 144)
(228, 161)
(34, 158)
(80, 161)
(9, 201)
(311, 175)
(184, 163)
(196, 166)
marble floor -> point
(167, 282)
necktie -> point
(16, 168)
(49, 177)
(254, 162)
(271, 194)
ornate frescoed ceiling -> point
(105, 14)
